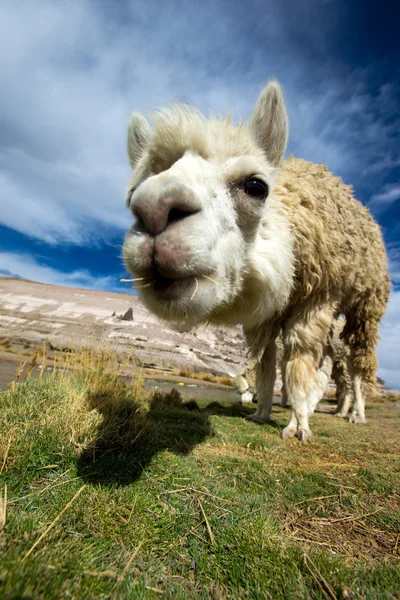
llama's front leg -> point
(300, 381)
(265, 381)
(304, 340)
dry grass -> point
(167, 399)
(77, 416)
(3, 508)
(349, 533)
(220, 379)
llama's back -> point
(338, 246)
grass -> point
(105, 493)
(5, 343)
(221, 379)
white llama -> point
(226, 231)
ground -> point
(106, 493)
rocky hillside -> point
(31, 313)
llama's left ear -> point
(269, 123)
(139, 134)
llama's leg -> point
(285, 399)
(361, 336)
(247, 397)
(304, 341)
(265, 381)
(341, 375)
(358, 413)
(243, 388)
(344, 403)
(316, 394)
(323, 376)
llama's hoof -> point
(357, 419)
(255, 418)
(339, 415)
(247, 397)
(303, 435)
(288, 432)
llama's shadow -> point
(128, 437)
(237, 409)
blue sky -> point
(70, 74)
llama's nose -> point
(157, 216)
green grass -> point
(282, 520)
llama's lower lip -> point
(173, 288)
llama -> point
(226, 231)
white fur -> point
(212, 249)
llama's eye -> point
(255, 188)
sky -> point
(71, 73)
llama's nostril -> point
(159, 204)
(156, 219)
(177, 214)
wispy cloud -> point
(384, 200)
(23, 266)
(394, 262)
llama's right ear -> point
(269, 123)
(139, 134)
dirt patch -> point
(354, 536)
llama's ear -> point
(139, 134)
(269, 122)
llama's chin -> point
(178, 300)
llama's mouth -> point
(172, 289)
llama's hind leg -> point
(344, 387)
(341, 376)
(285, 400)
(344, 402)
(361, 335)
(358, 412)
(306, 376)
(323, 376)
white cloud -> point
(13, 264)
(389, 345)
(71, 73)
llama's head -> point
(210, 241)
